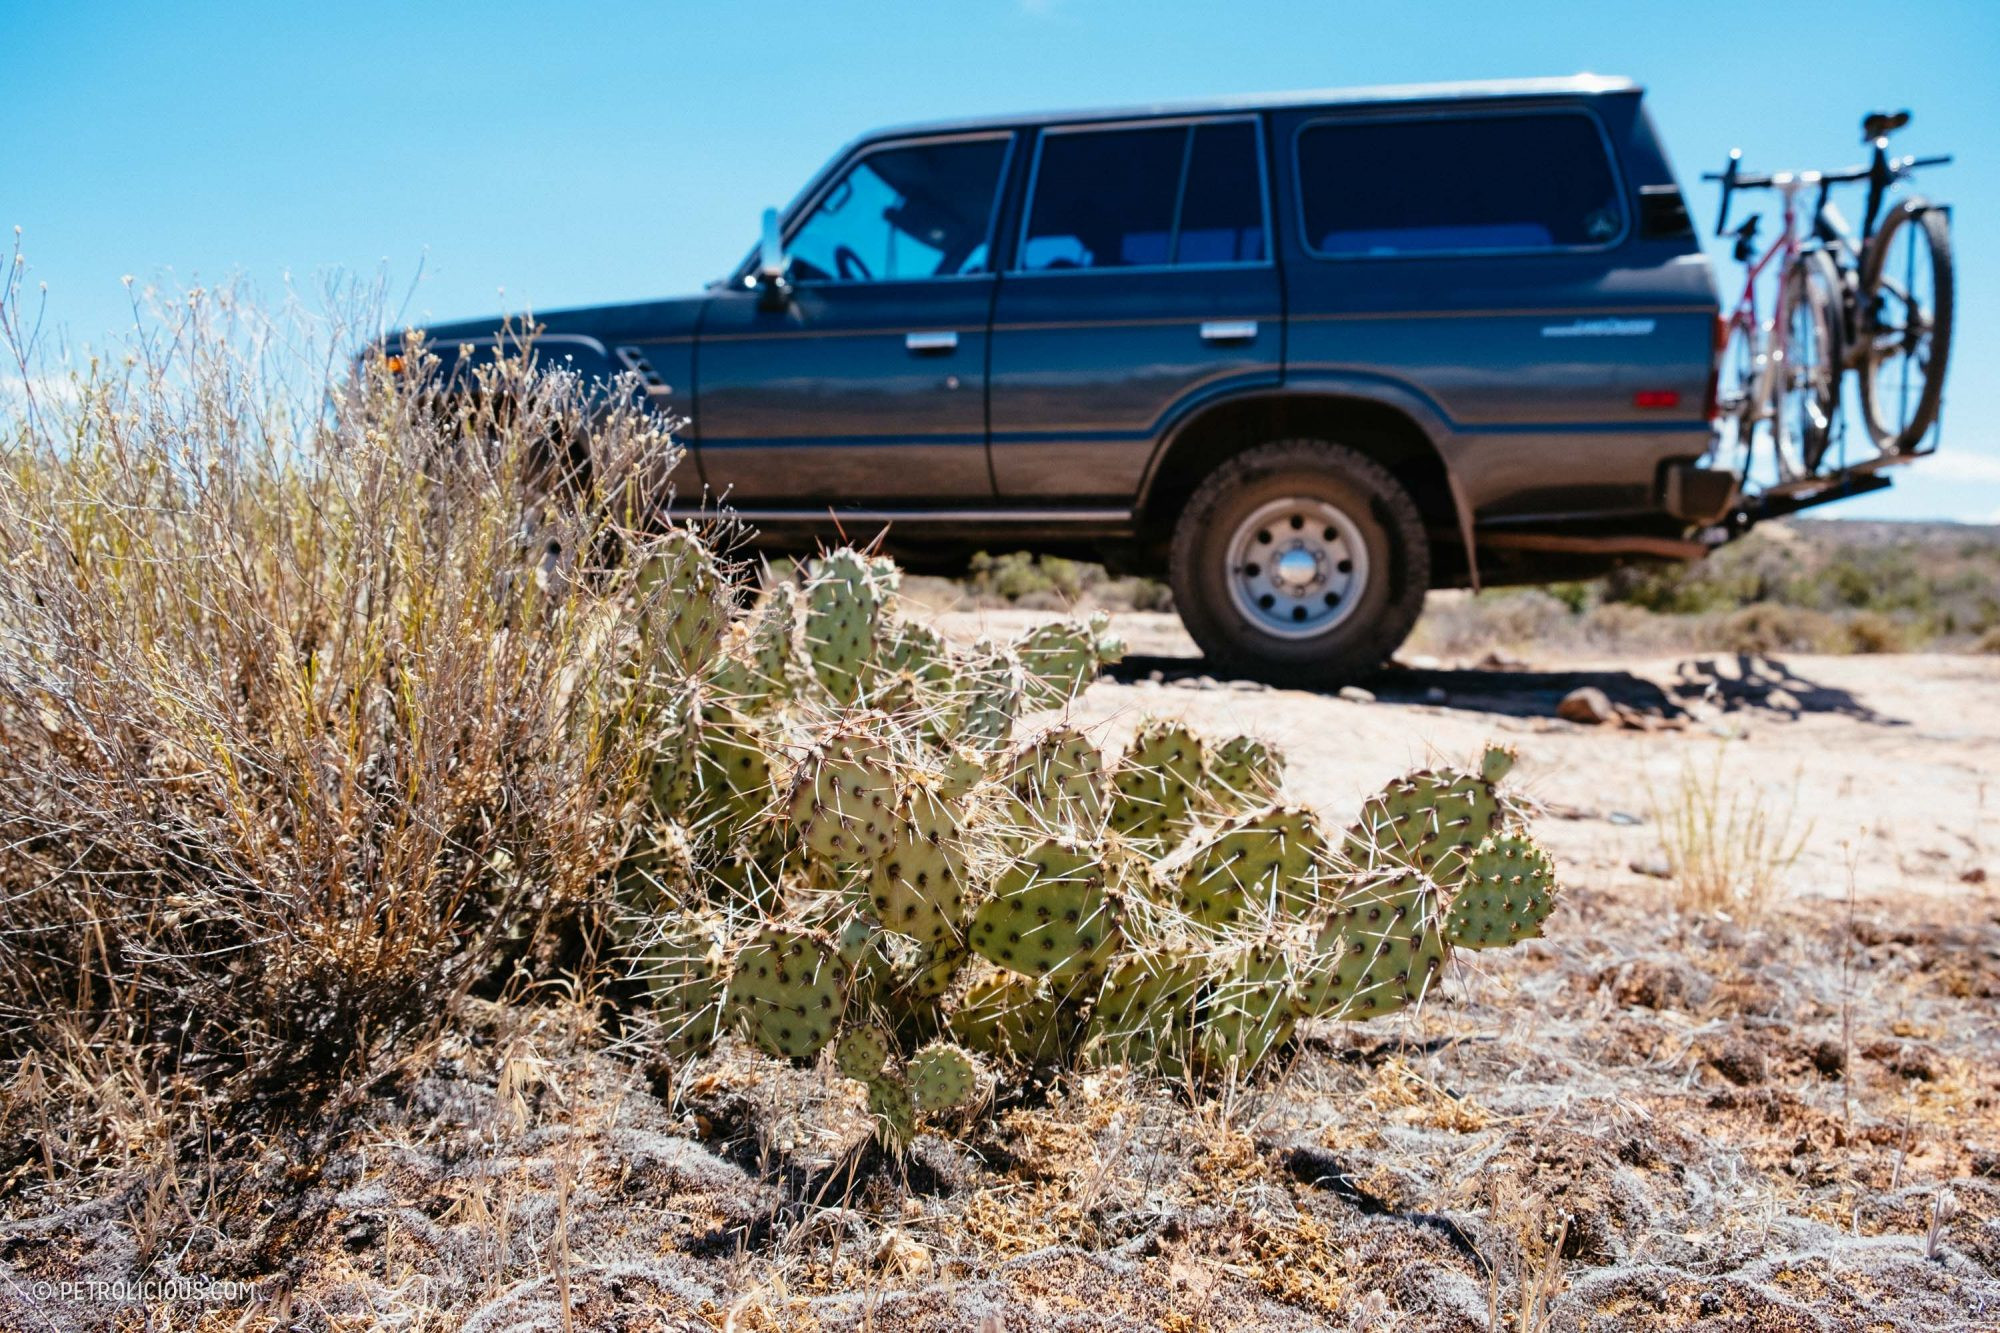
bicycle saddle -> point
(1882, 124)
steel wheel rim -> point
(1296, 567)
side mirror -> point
(772, 263)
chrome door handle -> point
(1228, 330)
(945, 340)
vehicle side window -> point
(920, 211)
(1222, 213)
(1456, 183)
(1146, 197)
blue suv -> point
(1305, 356)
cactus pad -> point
(1507, 893)
(1145, 1011)
(1055, 787)
(686, 604)
(1427, 821)
(1244, 773)
(1249, 1009)
(1257, 868)
(787, 991)
(1060, 659)
(861, 1053)
(1156, 784)
(1381, 948)
(843, 802)
(941, 1076)
(919, 886)
(1049, 916)
(681, 966)
(1008, 1016)
(844, 593)
(895, 1111)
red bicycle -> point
(1879, 305)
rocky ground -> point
(1651, 1120)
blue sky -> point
(580, 153)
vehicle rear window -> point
(1537, 181)
(1146, 197)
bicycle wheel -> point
(1906, 296)
(1736, 398)
(1808, 387)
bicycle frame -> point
(1770, 353)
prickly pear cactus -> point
(1049, 916)
(844, 846)
(686, 605)
(1060, 659)
(1385, 940)
(920, 886)
(1054, 788)
(844, 799)
(760, 668)
(1244, 773)
(787, 992)
(844, 595)
(1507, 893)
(942, 1077)
(1431, 821)
(681, 966)
(1262, 867)
(1157, 784)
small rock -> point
(1586, 704)
(1625, 819)
(900, 1255)
(1354, 694)
(1656, 866)
(1436, 695)
(1783, 700)
(1829, 1057)
(1976, 875)
(1421, 662)
(1156, 677)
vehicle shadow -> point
(1731, 682)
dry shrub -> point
(1872, 632)
(1771, 628)
(1728, 846)
(309, 689)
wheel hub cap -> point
(1297, 567)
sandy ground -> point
(1888, 766)
(1647, 1121)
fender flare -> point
(1400, 398)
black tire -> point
(1812, 292)
(1380, 603)
(1891, 432)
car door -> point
(867, 383)
(1142, 284)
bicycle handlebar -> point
(1764, 180)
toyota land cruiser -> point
(1305, 356)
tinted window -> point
(1222, 213)
(1526, 182)
(1112, 198)
(915, 212)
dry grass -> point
(309, 705)
(1728, 844)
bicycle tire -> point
(1815, 280)
(1893, 435)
